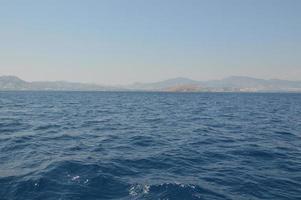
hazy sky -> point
(124, 41)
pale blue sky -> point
(124, 41)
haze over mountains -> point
(15, 83)
(230, 84)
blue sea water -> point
(123, 145)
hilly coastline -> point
(230, 84)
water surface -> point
(110, 145)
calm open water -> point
(107, 145)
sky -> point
(126, 41)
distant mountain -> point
(163, 85)
(15, 83)
(242, 83)
(12, 83)
(184, 88)
(236, 82)
(230, 84)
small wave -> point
(66, 180)
(143, 141)
(255, 153)
(12, 127)
(285, 133)
(47, 127)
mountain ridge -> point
(179, 84)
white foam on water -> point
(139, 189)
(75, 178)
(146, 189)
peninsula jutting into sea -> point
(230, 84)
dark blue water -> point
(97, 145)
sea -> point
(150, 145)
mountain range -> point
(230, 84)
